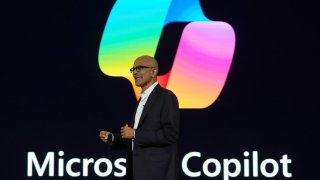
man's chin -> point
(138, 84)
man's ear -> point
(154, 73)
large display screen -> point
(244, 73)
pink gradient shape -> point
(202, 63)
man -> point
(152, 135)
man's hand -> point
(104, 136)
(127, 132)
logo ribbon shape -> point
(203, 56)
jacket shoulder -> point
(168, 93)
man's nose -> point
(134, 72)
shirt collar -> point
(148, 91)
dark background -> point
(54, 96)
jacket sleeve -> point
(170, 122)
(118, 142)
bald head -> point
(148, 61)
(146, 71)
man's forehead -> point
(142, 61)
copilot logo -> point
(203, 56)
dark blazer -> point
(155, 152)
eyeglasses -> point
(138, 68)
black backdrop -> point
(54, 96)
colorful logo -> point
(203, 56)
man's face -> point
(142, 76)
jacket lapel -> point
(152, 98)
(134, 114)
